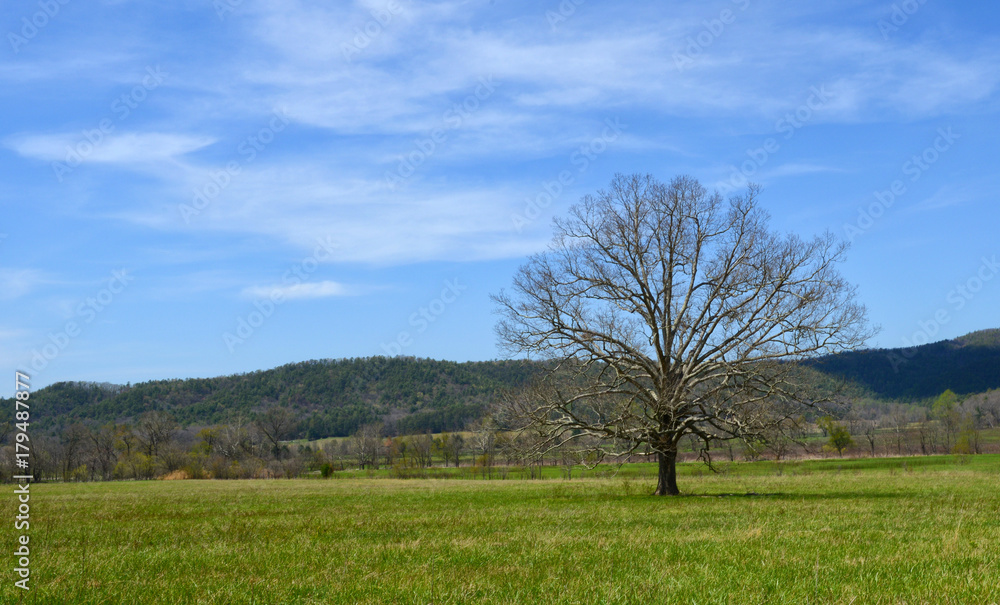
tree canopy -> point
(664, 310)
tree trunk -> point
(666, 484)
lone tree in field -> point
(663, 310)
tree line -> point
(157, 446)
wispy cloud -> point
(945, 197)
(125, 148)
(19, 282)
(308, 290)
(299, 202)
(794, 169)
(356, 116)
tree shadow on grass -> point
(776, 496)
(806, 496)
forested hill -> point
(335, 397)
(330, 397)
(970, 364)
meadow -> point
(904, 530)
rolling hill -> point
(970, 364)
(335, 397)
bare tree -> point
(988, 408)
(105, 454)
(663, 310)
(74, 443)
(484, 443)
(871, 434)
(155, 430)
(366, 443)
(900, 424)
(127, 443)
(276, 424)
(235, 441)
(457, 446)
(778, 440)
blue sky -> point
(197, 188)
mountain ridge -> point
(333, 397)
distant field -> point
(886, 445)
(830, 531)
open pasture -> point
(819, 532)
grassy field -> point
(866, 531)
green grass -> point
(828, 531)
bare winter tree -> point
(871, 434)
(366, 444)
(276, 424)
(663, 310)
(155, 430)
(105, 454)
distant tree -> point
(945, 411)
(74, 442)
(422, 446)
(208, 439)
(926, 432)
(778, 441)
(484, 443)
(366, 443)
(730, 449)
(457, 446)
(105, 454)
(276, 424)
(664, 310)
(900, 424)
(235, 440)
(988, 408)
(871, 434)
(840, 438)
(449, 447)
(127, 444)
(155, 430)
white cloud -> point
(125, 148)
(302, 201)
(307, 290)
(604, 58)
(356, 116)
